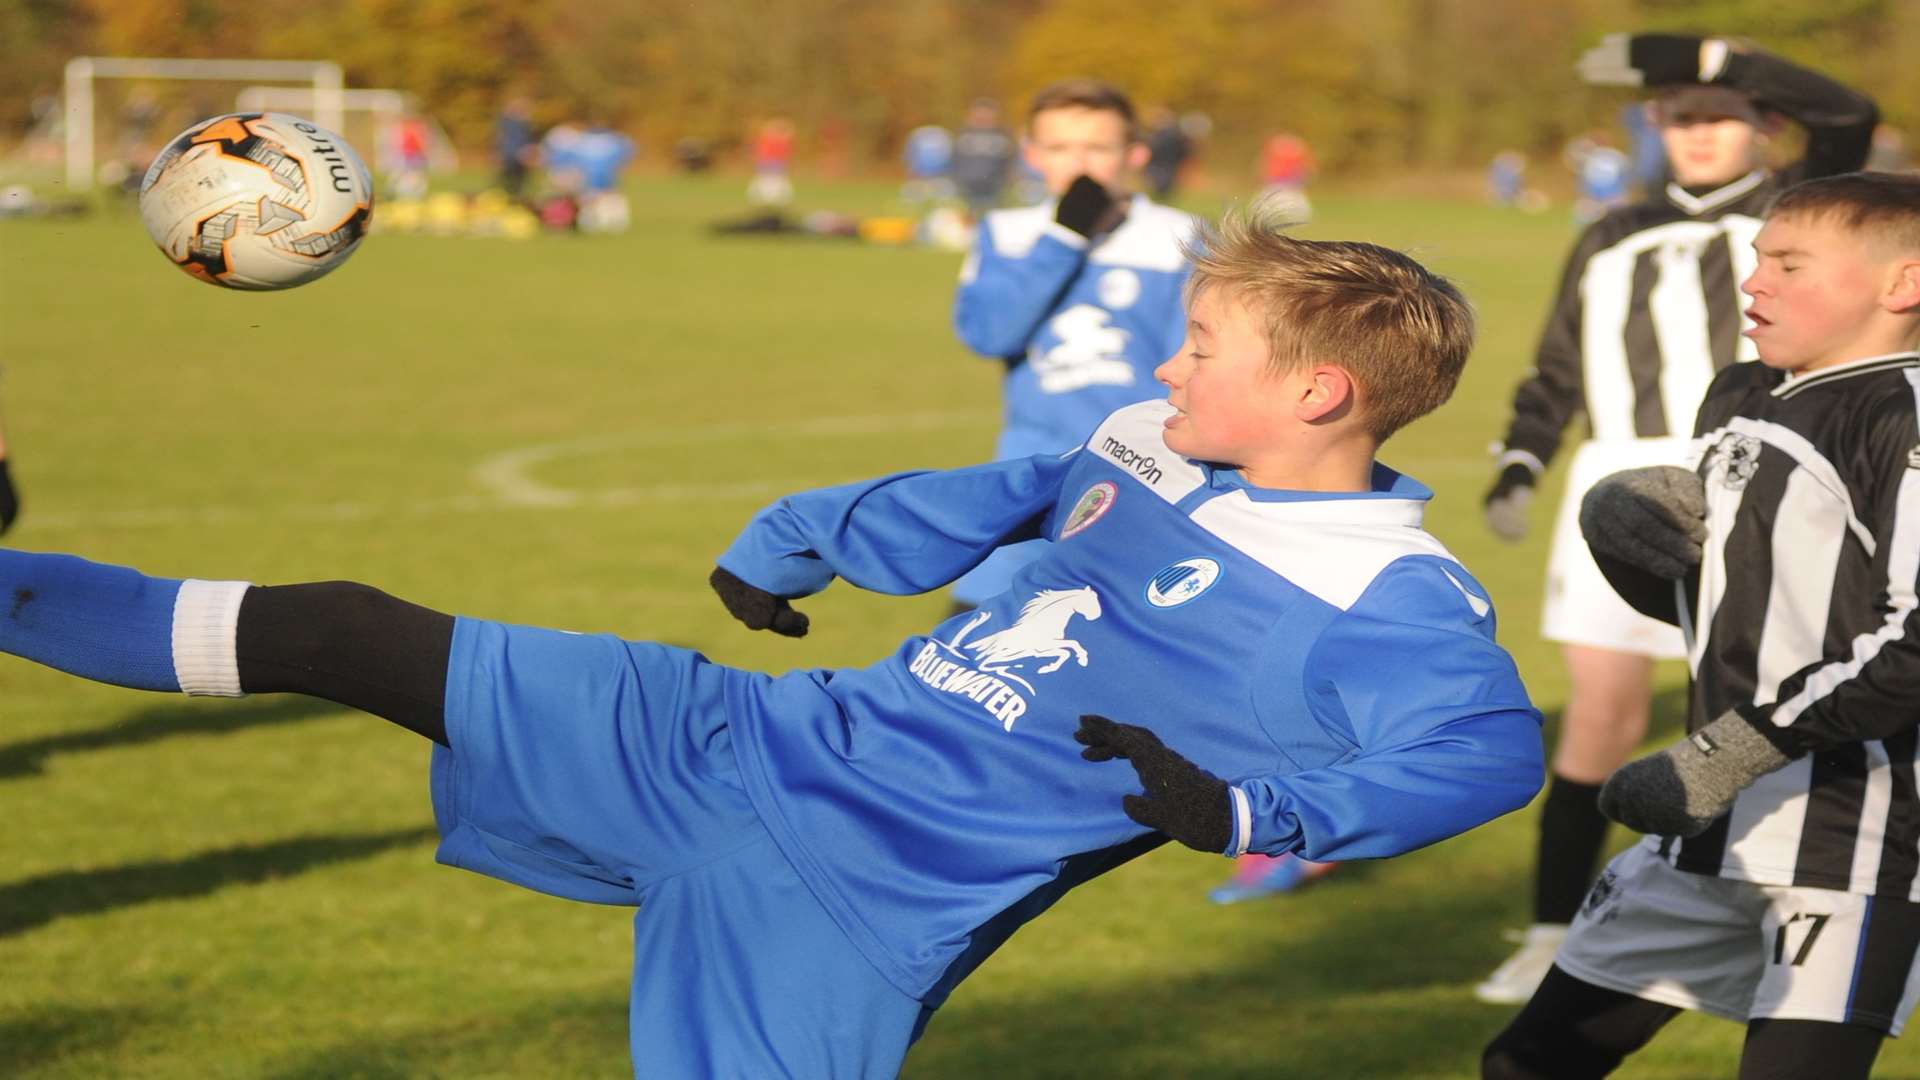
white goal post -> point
(329, 84)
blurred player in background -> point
(1168, 147)
(1286, 164)
(928, 155)
(1079, 296)
(513, 145)
(983, 156)
(1648, 311)
(602, 154)
(1604, 174)
(772, 185)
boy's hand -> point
(9, 500)
(1088, 208)
(1642, 60)
(1683, 789)
(1653, 519)
(758, 608)
(1183, 800)
(1507, 502)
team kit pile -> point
(1188, 480)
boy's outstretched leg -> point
(351, 644)
(343, 642)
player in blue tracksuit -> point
(1237, 600)
(1080, 295)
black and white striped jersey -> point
(1809, 621)
(1649, 306)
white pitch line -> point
(508, 476)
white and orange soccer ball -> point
(257, 201)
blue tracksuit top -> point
(1082, 326)
(1321, 652)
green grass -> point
(194, 889)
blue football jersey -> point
(1083, 326)
(1319, 651)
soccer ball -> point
(257, 201)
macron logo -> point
(1143, 465)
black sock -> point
(9, 499)
(1572, 832)
(350, 644)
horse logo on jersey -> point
(1038, 633)
(1093, 504)
(1734, 458)
(1181, 582)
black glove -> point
(9, 499)
(1683, 789)
(1507, 502)
(1642, 60)
(1183, 800)
(1653, 519)
(1089, 208)
(758, 608)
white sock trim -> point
(1242, 821)
(206, 619)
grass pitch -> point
(566, 432)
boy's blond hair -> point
(1079, 93)
(1884, 207)
(1402, 331)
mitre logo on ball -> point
(257, 201)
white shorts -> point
(1744, 951)
(1581, 608)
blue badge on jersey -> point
(1181, 582)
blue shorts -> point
(603, 770)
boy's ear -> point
(1902, 296)
(1138, 154)
(1327, 394)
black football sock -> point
(350, 644)
(1572, 833)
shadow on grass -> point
(40, 900)
(163, 722)
(1360, 1002)
(52, 1032)
(494, 1045)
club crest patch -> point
(1733, 460)
(1093, 505)
(1181, 582)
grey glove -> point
(1683, 789)
(1641, 60)
(1507, 502)
(1653, 519)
